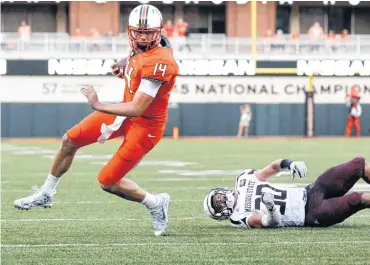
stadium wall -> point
(199, 119)
(42, 99)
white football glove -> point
(298, 169)
(268, 200)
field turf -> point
(89, 226)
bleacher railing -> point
(48, 45)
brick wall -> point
(105, 17)
(238, 18)
(87, 15)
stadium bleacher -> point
(45, 45)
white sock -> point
(50, 184)
(150, 200)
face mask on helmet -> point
(143, 39)
(219, 203)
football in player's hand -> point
(118, 69)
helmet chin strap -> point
(143, 47)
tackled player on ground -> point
(256, 203)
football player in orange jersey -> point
(150, 75)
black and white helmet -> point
(219, 203)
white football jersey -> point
(289, 201)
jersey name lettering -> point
(248, 197)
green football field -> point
(89, 226)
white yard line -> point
(170, 244)
(36, 220)
(120, 201)
(357, 187)
(92, 219)
(109, 202)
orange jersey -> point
(156, 64)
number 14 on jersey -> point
(159, 67)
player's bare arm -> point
(269, 220)
(142, 99)
(297, 168)
(255, 221)
(132, 109)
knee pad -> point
(105, 179)
(114, 171)
(74, 133)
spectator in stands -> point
(280, 40)
(182, 31)
(354, 109)
(294, 36)
(315, 31)
(94, 33)
(108, 39)
(95, 36)
(245, 119)
(344, 35)
(315, 34)
(344, 41)
(280, 34)
(24, 33)
(268, 38)
(77, 33)
(269, 34)
(169, 29)
(331, 40)
(77, 38)
(109, 34)
(331, 35)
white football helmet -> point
(144, 28)
(219, 203)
